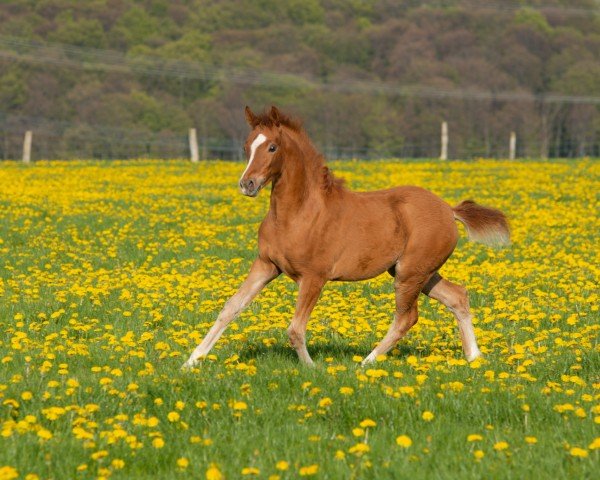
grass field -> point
(112, 272)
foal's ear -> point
(275, 116)
(250, 117)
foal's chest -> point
(295, 253)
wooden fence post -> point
(27, 146)
(512, 151)
(194, 145)
(444, 152)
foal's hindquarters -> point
(431, 235)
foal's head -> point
(264, 149)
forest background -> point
(370, 78)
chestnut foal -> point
(316, 231)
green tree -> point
(135, 27)
(82, 32)
(13, 90)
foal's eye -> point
(272, 148)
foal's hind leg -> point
(455, 297)
(407, 289)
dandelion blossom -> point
(404, 441)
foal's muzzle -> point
(250, 186)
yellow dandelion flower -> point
(26, 395)
(580, 412)
(213, 473)
(8, 473)
(500, 446)
(404, 441)
(158, 442)
(367, 422)
(44, 434)
(309, 470)
(427, 416)
(250, 471)
(359, 449)
(579, 452)
(99, 454)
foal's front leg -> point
(308, 294)
(261, 273)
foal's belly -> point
(368, 250)
(347, 265)
(357, 276)
(362, 267)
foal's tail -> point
(485, 225)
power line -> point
(70, 56)
(54, 128)
(52, 137)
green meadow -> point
(112, 272)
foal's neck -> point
(299, 184)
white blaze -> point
(259, 140)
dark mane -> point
(264, 119)
(330, 181)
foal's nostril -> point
(249, 186)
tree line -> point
(370, 78)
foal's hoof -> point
(368, 360)
(474, 356)
(191, 363)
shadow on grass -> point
(338, 351)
